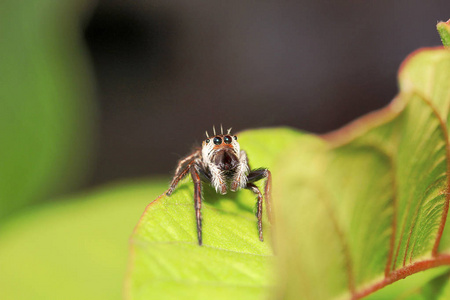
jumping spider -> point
(221, 163)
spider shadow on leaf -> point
(232, 202)
(242, 202)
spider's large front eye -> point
(217, 140)
(227, 139)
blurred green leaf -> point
(166, 261)
(75, 249)
(427, 285)
(46, 112)
(444, 31)
(372, 198)
(445, 292)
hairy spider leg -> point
(190, 157)
(256, 191)
(193, 164)
(181, 172)
(267, 195)
(176, 179)
(258, 174)
(216, 180)
(198, 202)
(240, 180)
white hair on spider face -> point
(219, 142)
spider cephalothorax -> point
(221, 163)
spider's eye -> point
(227, 139)
(207, 141)
(217, 140)
(235, 138)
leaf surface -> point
(444, 32)
(166, 260)
(75, 248)
(356, 209)
(380, 194)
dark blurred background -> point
(168, 70)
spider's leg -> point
(205, 176)
(188, 158)
(181, 172)
(240, 178)
(267, 195)
(177, 179)
(259, 174)
(217, 180)
(197, 202)
(256, 191)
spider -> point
(222, 164)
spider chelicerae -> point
(221, 163)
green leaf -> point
(356, 210)
(371, 201)
(427, 285)
(166, 261)
(73, 249)
(444, 31)
(45, 107)
(445, 292)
